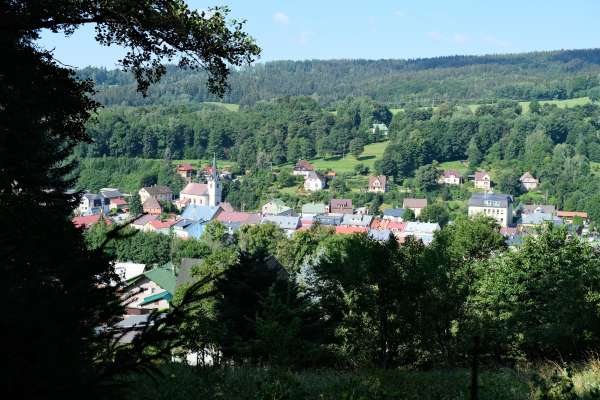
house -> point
(111, 193)
(92, 204)
(381, 128)
(395, 227)
(534, 208)
(87, 221)
(158, 226)
(186, 171)
(160, 193)
(142, 221)
(423, 231)
(381, 235)
(303, 168)
(151, 206)
(495, 205)
(118, 203)
(200, 213)
(341, 206)
(537, 219)
(328, 219)
(377, 184)
(151, 290)
(528, 182)
(482, 180)
(203, 194)
(188, 229)
(416, 205)
(394, 214)
(226, 206)
(357, 220)
(349, 230)
(288, 223)
(450, 177)
(234, 220)
(313, 182)
(310, 210)
(569, 216)
(276, 207)
(128, 270)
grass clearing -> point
(372, 153)
(227, 106)
(456, 165)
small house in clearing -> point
(482, 180)
(416, 205)
(377, 184)
(313, 182)
(528, 181)
(450, 177)
(303, 168)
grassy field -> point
(183, 382)
(371, 153)
(227, 106)
(456, 165)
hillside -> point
(539, 75)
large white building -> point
(203, 194)
(495, 205)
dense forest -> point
(539, 75)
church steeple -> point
(214, 185)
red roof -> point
(157, 224)
(304, 165)
(451, 173)
(89, 220)
(382, 224)
(480, 175)
(571, 214)
(243, 217)
(118, 201)
(227, 207)
(347, 230)
(185, 167)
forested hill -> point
(539, 75)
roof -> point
(481, 175)
(151, 202)
(133, 321)
(383, 224)
(490, 200)
(394, 212)
(158, 224)
(527, 177)
(92, 196)
(380, 234)
(531, 208)
(163, 276)
(89, 220)
(328, 219)
(184, 274)
(347, 230)
(241, 217)
(155, 297)
(303, 165)
(278, 206)
(421, 227)
(195, 189)
(118, 201)
(226, 207)
(571, 214)
(185, 167)
(144, 219)
(195, 229)
(314, 208)
(357, 220)
(195, 212)
(128, 270)
(382, 179)
(314, 175)
(451, 173)
(157, 189)
(538, 218)
(410, 202)
(110, 193)
(340, 203)
(284, 222)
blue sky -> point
(327, 29)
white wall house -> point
(495, 205)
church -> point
(203, 194)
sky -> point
(376, 29)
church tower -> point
(214, 186)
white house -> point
(303, 168)
(528, 181)
(92, 204)
(450, 177)
(483, 180)
(313, 182)
(377, 184)
(495, 205)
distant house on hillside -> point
(310, 210)
(303, 168)
(186, 171)
(528, 181)
(381, 128)
(534, 208)
(160, 193)
(377, 184)
(450, 177)
(416, 205)
(424, 231)
(313, 182)
(482, 180)
(151, 290)
(357, 220)
(92, 204)
(289, 224)
(87, 221)
(394, 214)
(152, 206)
(276, 207)
(495, 205)
(142, 221)
(569, 216)
(341, 206)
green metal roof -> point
(158, 296)
(314, 208)
(163, 276)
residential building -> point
(495, 205)
(423, 231)
(160, 193)
(289, 224)
(142, 221)
(111, 193)
(395, 227)
(348, 230)
(186, 171)
(276, 207)
(341, 206)
(92, 204)
(86, 221)
(234, 220)
(313, 182)
(357, 220)
(528, 181)
(310, 210)
(394, 214)
(329, 219)
(118, 203)
(482, 180)
(381, 128)
(377, 184)
(303, 168)
(381, 235)
(158, 226)
(152, 206)
(535, 208)
(128, 270)
(450, 177)
(537, 219)
(569, 216)
(151, 290)
(416, 205)
(195, 212)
